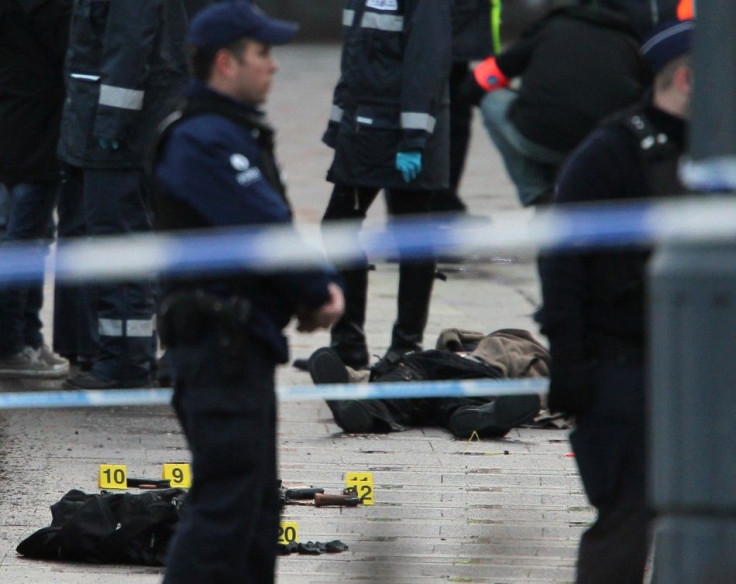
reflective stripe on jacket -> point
(392, 93)
(125, 66)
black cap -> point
(666, 42)
(225, 22)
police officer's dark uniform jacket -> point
(217, 169)
(392, 93)
(594, 302)
(126, 66)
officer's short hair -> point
(203, 58)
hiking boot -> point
(54, 360)
(494, 419)
(93, 381)
(27, 363)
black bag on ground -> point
(116, 528)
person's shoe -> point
(26, 363)
(325, 366)
(494, 419)
(55, 361)
(93, 381)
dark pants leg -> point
(115, 204)
(347, 335)
(416, 277)
(75, 305)
(609, 446)
(31, 207)
(229, 528)
(461, 118)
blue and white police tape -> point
(266, 249)
(156, 397)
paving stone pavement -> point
(504, 511)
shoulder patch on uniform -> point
(382, 4)
(246, 174)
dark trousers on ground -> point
(30, 208)
(229, 528)
(416, 277)
(610, 450)
(112, 321)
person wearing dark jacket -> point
(575, 65)
(125, 68)
(389, 128)
(471, 41)
(593, 312)
(216, 168)
(643, 15)
(33, 35)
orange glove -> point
(489, 76)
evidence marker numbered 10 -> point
(361, 483)
(113, 476)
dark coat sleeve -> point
(426, 70)
(129, 38)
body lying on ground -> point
(459, 354)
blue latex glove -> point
(108, 144)
(409, 164)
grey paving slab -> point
(446, 510)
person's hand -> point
(108, 144)
(324, 316)
(409, 164)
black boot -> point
(415, 290)
(347, 334)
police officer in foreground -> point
(594, 315)
(216, 168)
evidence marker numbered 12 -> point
(361, 483)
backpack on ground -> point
(119, 528)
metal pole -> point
(693, 337)
(713, 125)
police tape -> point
(265, 249)
(361, 391)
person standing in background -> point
(33, 37)
(389, 128)
(125, 69)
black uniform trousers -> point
(610, 449)
(227, 408)
(416, 276)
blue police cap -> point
(666, 42)
(225, 22)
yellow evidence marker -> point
(113, 476)
(179, 474)
(361, 483)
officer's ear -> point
(683, 78)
